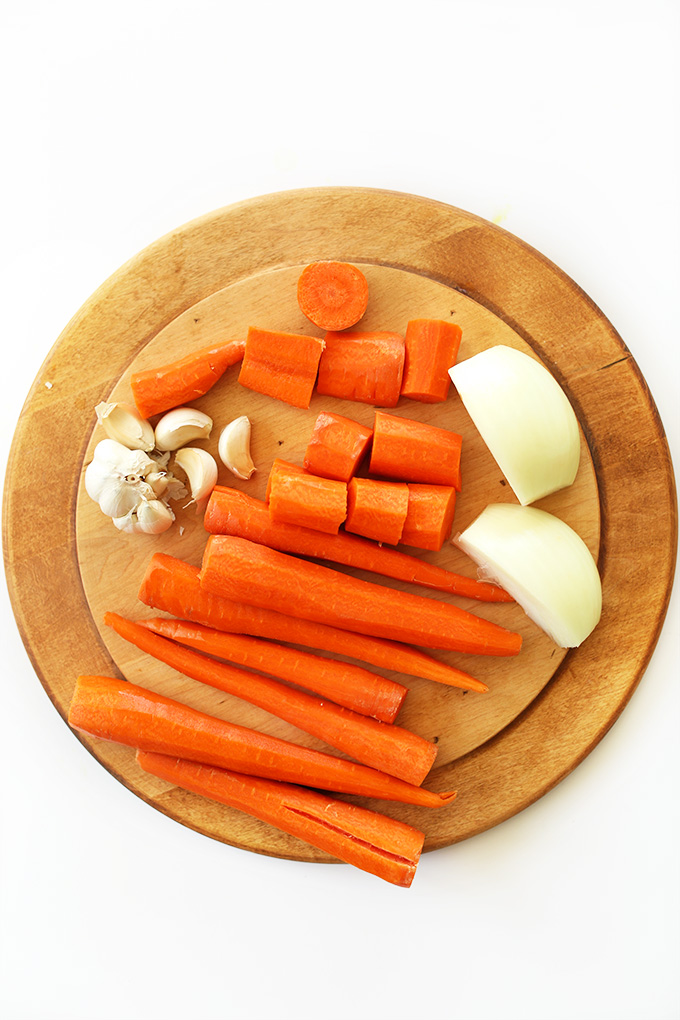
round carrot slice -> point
(333, 295)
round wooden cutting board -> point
(209, 280)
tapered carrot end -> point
(448, 796)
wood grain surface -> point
(210, 280)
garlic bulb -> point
(524, 417)
(124, 424)
(201, 470)
(234, 448)
(542, 563)
(117, 478)
(181, 426)
(150, 517)
(121, 481)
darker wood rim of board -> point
(464, 252)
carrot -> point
(173, 587)
(376, 509)
(297, 497)
(343, 683)
(367, 367)
(281, 365)
(230, 512)
(336, 447)
(375, 843)
(237, 569)
(431, 350)
(120, 711)
(415, 452)
(431, 509)
(333, 295)
(390, 749)
(181, 382)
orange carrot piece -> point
(346, 685)
(241, 570)
(181, 382)
(373, 842)
(297, 497)
(333, 295)
(367, 367)
(390, 749)
(172, 586)
(431, 510)
(415, 452)
(230, 512)
(127, 714)
(431, 350)
(376, 510)
(281, 365)
(336, 447)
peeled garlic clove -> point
(234, 448)
(124, 424)
(201, 470)
(181, 426)
(150, 517)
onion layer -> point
(542, 563)
(524, 417)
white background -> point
(123, 121)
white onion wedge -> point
(542, 563)
(524, 417)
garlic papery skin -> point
(124, 424)
(150, 517)
(181, 426)
(542, 563)
(524, 417)
(200, 468)
(116, 478)
(234, 448)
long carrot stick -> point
(173, 586)
(237, 569)
(230, 512)
(158, 389)
(346, 685)
(375, 843)
(390, 749)
(127, 714)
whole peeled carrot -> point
(241, 570)
(388, 748)
(120, 711)
(230, 512)
(158, 389)
(375, 843)
(346, 685)
(173, 587)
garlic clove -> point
(150, 517)
(181, 426)
(200, 468)
(124, 424)
(234, 447)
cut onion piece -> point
(524, 417)
(542, 563)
